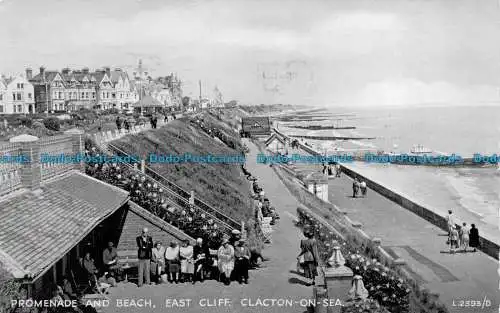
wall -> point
(487, 246)
(137, 218)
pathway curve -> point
(275, 280)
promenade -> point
(461, 276)
(274, 280)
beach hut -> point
(317, 184)
(256, 126)
(276, 145)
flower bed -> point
(153, 198)
(382, 283)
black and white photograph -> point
(319, 156)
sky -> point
(308, 52)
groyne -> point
(332, 137)
(320, 127)
(487, 245)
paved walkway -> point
(273, 281)
(469, 276)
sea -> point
(472, 193)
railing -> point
(183, 193)
(10, 178)
(53, 147)
(177, 200)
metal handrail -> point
(184, 199)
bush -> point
(37, 125)
(52, 123)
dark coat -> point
(309, 248)
(474, 238)
(145, 248)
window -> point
(86, 95)
(113, 95)
(14, 108)
(55, 95)
(19, 96)
(1, 97)
(93, 95)
(1, 108)
(29, 96)
(20, 108)
(83, 95)
(14, 96)
(74, 94)
(22, 86)
(60, 95)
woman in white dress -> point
(226, 261)
(187, 263)
(464, 237)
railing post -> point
(191, 198)
(338, 279)
(30, 171)
(143, 166)
(77, 146)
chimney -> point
(29, 73)
(65, 71)
(107, 70)
(42, 72)
(85, 70)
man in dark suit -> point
(145, 246)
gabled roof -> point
(99, 76)
(39, 228)
(3, 84)
(49, 76)
(274, 136)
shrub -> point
(37, 125)
(26, 121)
(52, 123)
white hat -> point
(199, 240)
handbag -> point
(301, 259)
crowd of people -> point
(263, 205)
(461, 237)
(186, 263)
(332, 169)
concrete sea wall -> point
(486, 245)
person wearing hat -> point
(235, 237)
(242, 258)
(226, 260)
(201, 254)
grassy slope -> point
(220, 185)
